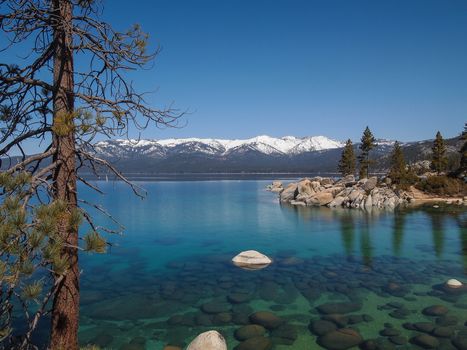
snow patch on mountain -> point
(264, 144)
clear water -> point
(174, 257)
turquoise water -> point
(152, 287)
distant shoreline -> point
(212, 176)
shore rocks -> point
(289, 193)
(211, 340)
(275, 187)
(251, 259)
(319, 199)
(365, 194)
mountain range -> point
(261, 154)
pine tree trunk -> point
(65, 312)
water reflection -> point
(366, 246)
(437, 231)
(398, 231)
(359, 228)
(347, 224)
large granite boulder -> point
(289, 193)
(211, 340)
(305, 188)
(321, 198)
(336, 202)
(370, 183)
(251, 259)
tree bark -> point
(65, 309)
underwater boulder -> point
(211, 340)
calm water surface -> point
(169, 277)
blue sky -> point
(305, 67)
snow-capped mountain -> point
(267, 145)
(263, 154)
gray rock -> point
(320, 199)
(370, 183)
(336, 202)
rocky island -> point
(347, 192)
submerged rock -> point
(266, 319)
(338, 308)
(257, 343)
(425, 341)
(340, 339)
(211, 340)
(321, 327)
(251, 259)
(435, 310)
(249, 331)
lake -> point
(169, 277)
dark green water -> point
(152, 288)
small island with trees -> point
(402, 184)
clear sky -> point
(305, 67)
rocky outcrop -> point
(346, 192)
(276, 187)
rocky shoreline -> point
(350, 193)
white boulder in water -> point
(453, 283)
(211, 340)
(251, 259)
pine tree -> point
(463, 152)
(45, 96)
(398, 167)
(348, 160)
(439, 161)
(366, 145)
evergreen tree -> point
(439, 160)
(463, 152)
(45, 96)
(348, 160)
(398, 167)
(366, 145)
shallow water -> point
(152, 288)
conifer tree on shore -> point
(439, 161)
(463, 152)
(398, 167)
(366, 145)
(347, 162)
